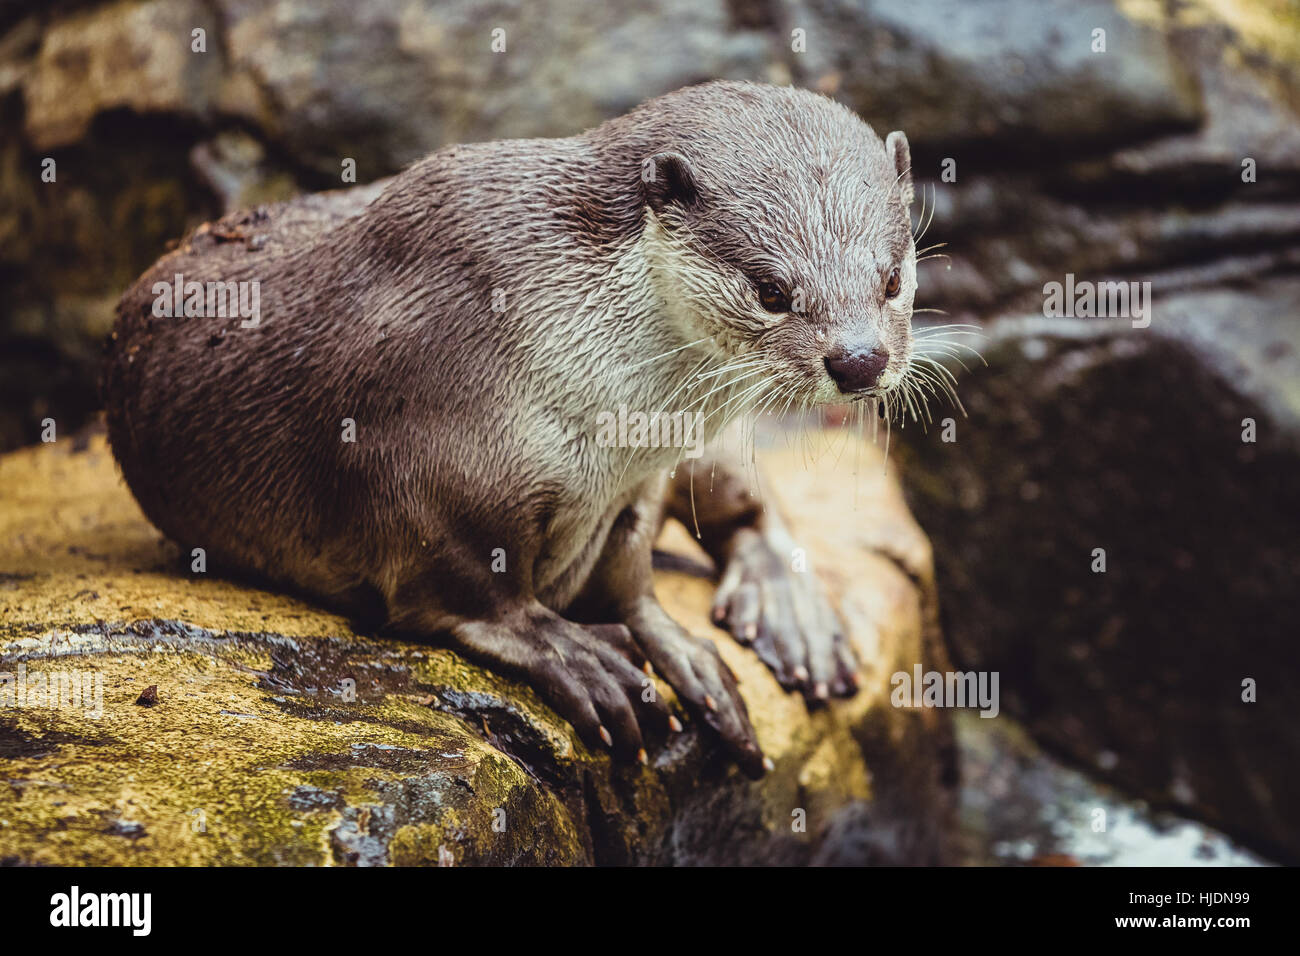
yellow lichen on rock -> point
(281, 737)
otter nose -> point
(858, 370)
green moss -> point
(254, 756)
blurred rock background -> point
(1082, 434)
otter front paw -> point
(702, 680)
(785, 616)
(592, 676)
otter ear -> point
(668, 178)
(897, 149)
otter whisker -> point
(938, 371)
(696, 375)
(785, 410)
(939, 347)
(933, 205)
(726, 385)
(888, 418)
(928, 358)
(957, 328)
(953, 350)
(745, 393)
(920, 216)
(926, 367)
(920, 388)
(618, 373)
(941, 376)
(931, 388)
(766, 392)
(945, 353)
(945, 338)
(860, 414)
(724, 369)
(846, 436)
(909, 398)
(765, 407)
(633, 450)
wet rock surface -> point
(279, 736)
(1166, 439)
(1021, 806)
(999, 72)
(1087, 435)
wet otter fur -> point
(723, 248)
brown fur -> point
(474, 426)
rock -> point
(67, 250)
(1085, 435)
(124, 55)
(385, 83)
(282, 737)
(1122, 208)
(393, 80)
(1001, 76)
(1248, 112)
(1003, 253)
(1021, 806)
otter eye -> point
(893, 284)
(772, 297)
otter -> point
(407, 431)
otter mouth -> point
(870, 391)
(878, 395)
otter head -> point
(792, 250)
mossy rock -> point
(280, 736)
